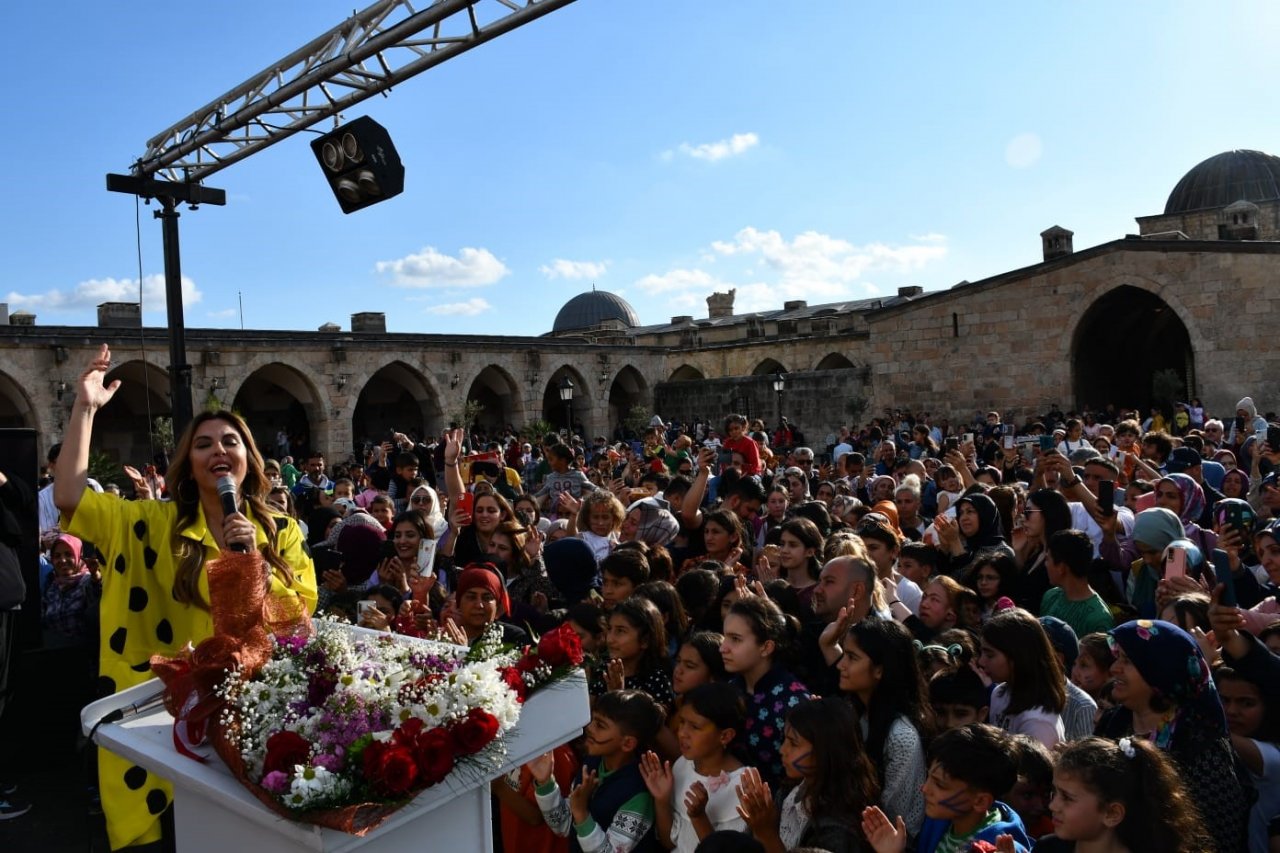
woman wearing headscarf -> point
(1046, 512)
(1183, 496)
(1164, 693)
(70, 602)
(1140, 562)
(975, 529)
(649, 520)
(482, 602)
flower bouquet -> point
(343, 727)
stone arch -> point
(628, 390)
(396, 396)
(16, 409)
(553, 408)
(833, 361)
(122, 429)
(686, 373)
(278, 396)
(767, 367)
(496, 390)
(1140, 329)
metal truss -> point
(370, 52)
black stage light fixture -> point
(360, 163)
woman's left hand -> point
(533, 543)
(238, 530)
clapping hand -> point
(883, 836)
(657, 776)
(581, 795)
(615, 675)
(542, 767)
(695, 801)
(140, 485)
(755, 804)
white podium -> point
(213, 812)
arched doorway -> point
(498, 397)
(278, 397)
(833, 361)
(627, 391)
(1131, 349)
(123, 428)
(15, 408)
(767, 367)
(686, 373)
(395, 397)
(553, 408)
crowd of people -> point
(1057, 634)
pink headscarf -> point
(76, 547)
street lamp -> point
(779, 385)
(566, 395)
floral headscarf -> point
(657, 525)
(1169, 660)
(1192, 496)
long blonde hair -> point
(186, 582)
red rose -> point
(515, 681)
(408, 732)
(284, 750)
(528, 663)
(561, 646)
(394, 771)
(370, 758)
(475, 731)
(434, 754)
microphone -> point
(227, 494)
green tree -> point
(535, 431)
(467, 415)
(162, 434)
(637, 419)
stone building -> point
(1186, 305)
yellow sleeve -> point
(290, 545)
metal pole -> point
(179, 370)
(568, 416)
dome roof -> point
(1227, 177)
(592, 308)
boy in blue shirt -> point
(968, 768)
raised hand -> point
(140, 485)
(657, 776)
(542, 767)
(615, 675)
(569, 503)
(334, 580)
(755, 804)
(835, 631)
(91, 390)
(452, 633)
(453, 446)
(695, 801)
(883, 836)
(581, 795)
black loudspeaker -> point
(19, 461)
(361, 164)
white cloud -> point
(95, 291)
(430, 268)
(1023, 151)
(560, 268)
(470, 308)
(737, 144)
(224, 314)
(812, 266)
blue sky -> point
(660, 150)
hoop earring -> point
(182, 496)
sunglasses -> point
(420, 499)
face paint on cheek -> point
(803, 763)
(960, 803)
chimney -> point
(910, 291)
(682, 320)
(794, 305)
(1056, 242)
(4, 313)
(22, 318)
(120, 315)
(369, 321)
(720, 305)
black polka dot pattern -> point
(164, 632)
(106, 686)
(135, 777)
(119, 564)
(116, 643)
(137, 599)
(140, 529)
(156, 801)
(145, 666)
(149, 556)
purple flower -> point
(328, 762)
(276, 782)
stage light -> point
(361, 164)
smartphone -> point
(951, 443)
(1175, 563)
(1107, 497)
(1239, 423)
(326, 559)
(526, 520)
(467, 503)
(1222, 572)
(364, 607)
(1046, 443)
(724, 458)
(968, 438)
(1239, 515)
(1273, 438)
(1008, 441)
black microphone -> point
(227, 494)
